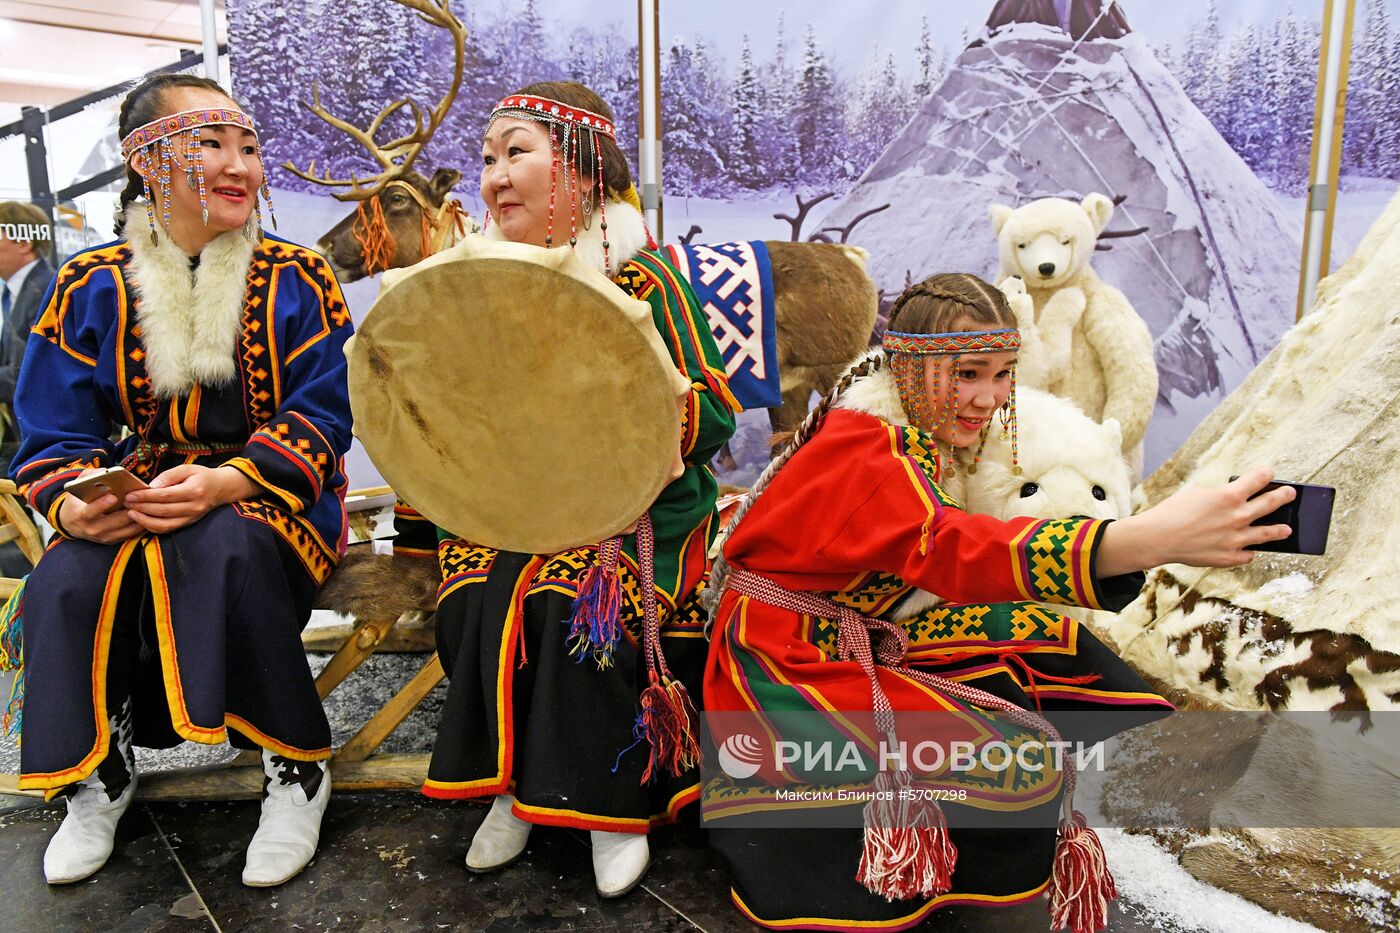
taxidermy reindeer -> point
(401, 217)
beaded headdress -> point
(906, 354)
(573, 140)
(160, 140)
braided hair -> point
(949, 302)
(143, 104)
(943, 303)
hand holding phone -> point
(112, 481)
(1309, 515)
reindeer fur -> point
(1320, 408)
(380, 587)
(825, 305)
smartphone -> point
(1309, 516)
(115, 481)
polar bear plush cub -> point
(1094, 349)
(1070, 466)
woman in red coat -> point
(850, 581)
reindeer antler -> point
(396, 156)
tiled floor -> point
(387, 862)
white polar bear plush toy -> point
(1070, 465)
(1093, 348)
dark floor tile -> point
(135, 891)
(395, 862)
(692, 878)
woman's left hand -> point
(184, 494)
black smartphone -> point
(1309, 515)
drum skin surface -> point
(515, 397)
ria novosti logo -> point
(740, 756)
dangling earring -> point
(195, 154)
(981, 446)
(167, 158)
(1005, 417)
(265, 189)
(554, 163)
(601, 194)
(1011, 403)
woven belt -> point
(853, 642)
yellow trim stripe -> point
(908, 919)
(102, 644)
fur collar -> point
(627, 236)
(875, 394)
(189, 321)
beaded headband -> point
(906, 352)
(181, 122)
(526, 107)
(570, 130)
(981, 341)
(160, 140)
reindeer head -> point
(409, 220)
(401, 217)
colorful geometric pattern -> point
(921, 448)
(564, 571)
(873, 594)
(256, 353)
(734, 283)
(983, 341)
(179, 123)
(1052, 562)
(973, 628)
(462, 564)
(72, 275)
(318, 557)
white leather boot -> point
(619, 861)
(83, 842)
(499, 839)
(295, 794)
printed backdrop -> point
(910, 123)
(1199, 119)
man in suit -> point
(26, 240)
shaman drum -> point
(516, 397)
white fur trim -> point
(189, 322)
(627, 236)
(875, 394)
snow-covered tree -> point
(694, 163)
(1368, 106)
(1295, 60)
(777, 135)
(929, 64)
(747, 161)
(879, 106)
(816, 114)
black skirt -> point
(525, 716)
